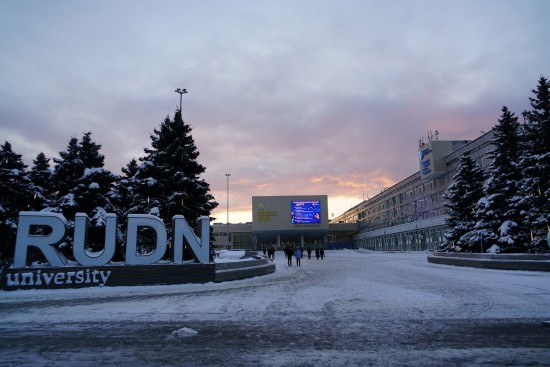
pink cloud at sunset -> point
(311, 97)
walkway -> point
(354, 308)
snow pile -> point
(494, 249)
(227, 255)
(184, 332)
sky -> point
(307, 97)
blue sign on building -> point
(426, 167)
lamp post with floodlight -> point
(227, 175)
(181, 93)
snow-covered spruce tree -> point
(534, 164)
(40, 174)
(123, 198)
(168, 179)
(83, 185)
(124, 187)
(499, 211)
(463, 195)
(16, 194)
(68, 168)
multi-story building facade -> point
(299, 220)
(410, 215)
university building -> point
(299, 220)
(410, 216)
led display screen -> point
(305, 212)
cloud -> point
(309, 97)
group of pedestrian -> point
(320, 253)
(293, 251)
(269, 250)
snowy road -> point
(354, 308)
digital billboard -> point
(305, 212)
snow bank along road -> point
(354, 308)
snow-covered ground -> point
(354, 308)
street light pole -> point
(181, 93)
(227, 175)
(481, 239)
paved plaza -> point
(354, 308)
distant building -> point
(300, 220)
(410, 216)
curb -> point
(533, 262)
(243, 269)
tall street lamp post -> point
(227, 175)
(181, 93)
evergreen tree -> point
(123, 199)
(40, 175)
(169, 175)
(83, 185)
(534, 164)
(93, 189)
(16, 194)
(68, 168)
(168, 180)
(499, 211)
(463, 195)
(125, 187)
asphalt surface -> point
(361, 309)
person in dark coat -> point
(317, 253)
(288, 253)
(308, 252)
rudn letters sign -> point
(96, 268)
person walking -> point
(298, 254)
(288, 253)
(271, 252)
(308, 252)
(317, 253)
(322, 253)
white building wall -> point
(410, 216)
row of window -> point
(238, 240)
(397, 206)
(406, 241)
